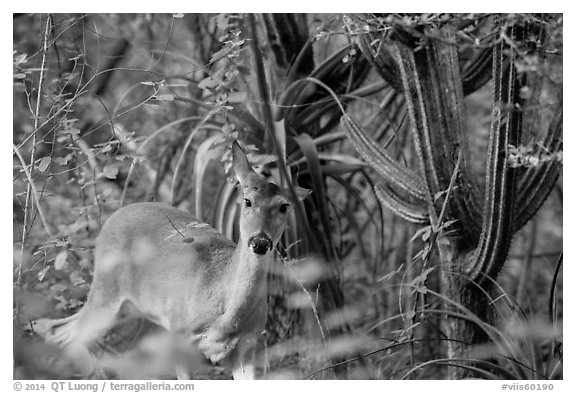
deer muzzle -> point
(260, 243)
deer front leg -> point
(183, 372)
(243, 359)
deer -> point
(183, 275)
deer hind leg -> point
(75, 334)
(92, 324)
(99, 314)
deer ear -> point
(302, 193)
(240, 163)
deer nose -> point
(260, 243)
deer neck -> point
(248, 276)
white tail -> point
(183, 275)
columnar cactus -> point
(422, 61)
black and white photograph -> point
(287, 196)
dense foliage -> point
(121, 108)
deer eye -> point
(247, 202)
(284, 207)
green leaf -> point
(42, 273)
(525, 92)
(208, 83)
(106, 148)
(110, 171)
(423, 232)
(21, 58)
(204, 154)
(220, 54)
(262, 159)
(165, 97)
(44, 163)
(61, 160)
(308, 148)
(426, 272)
(58, 288)
(61, 260)
(237, 96)
(448, 223)
(76, 278)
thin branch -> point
(36, 196)
(31, 187)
